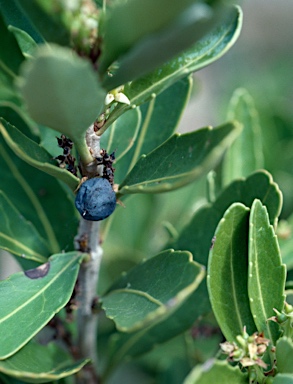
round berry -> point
(95, 199)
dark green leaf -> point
(267, 274)
(36, 363)
(19, 236)
(61, 91)
(47, 19)
(228, 274)
(219, 372)
(17, 117)
(152, 290)
(14, 16)
(10, 54)
(245, 155)
(179, 160)
(136, 21)
(284, 355)
(160, 118)
(207, 50)
(196, 237)
(35, 155)
(34, 193)
(30, 299)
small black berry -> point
(95, 199)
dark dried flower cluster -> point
(66, 160)
(107, 161)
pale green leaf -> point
(246, 154)
(228, 271)
(207, 50)
(267, 274)
(215, 371)
(61, 91)
(25, 41)
(36, 363)
(30, 299)
(35, 155)
(152, 290)
(179, 160)
(284, 355)
(19, 236)
(283, 378)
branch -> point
(88, 237)
(87, 240)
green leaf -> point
(284, 355)
(126, 345)
(30, 299)
(61, 91)
(267, 274)
(245, 155)
(17, 117)
(13, 15)
(228, 274)
(136, 20)
(219, 372)
(10, 54)
(48, 20)
(36, 363)
(160, 118)
(122, 134)
(34, 194)
(179, 160)
(283, 378)
(26, 43)
(156, 49)
(152, 290)
(19, 236)
(35, 155)
(207, 50)
(196, 236)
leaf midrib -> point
(41, 291)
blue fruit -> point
(95, 199)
